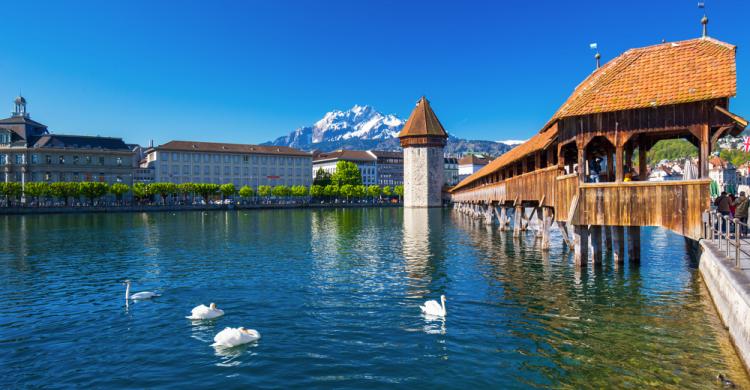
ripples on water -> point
(335, 295)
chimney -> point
(597, 56)
(704, 22)
(151, 143)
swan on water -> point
(138, 296)
(433, 308)
(232, 337)
(203, 312)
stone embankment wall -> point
(730, 291)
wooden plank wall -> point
(566, 187)
(532, 186)
(675, 205)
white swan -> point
(138, 296)
(232, 337)
(203, 312)
(433, 308)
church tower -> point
(423, 139)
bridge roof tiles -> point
(538, 142)
(659, 75)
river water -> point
(335, 295)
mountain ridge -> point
(363, 128)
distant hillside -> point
(362, 128)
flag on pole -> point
(593, 45)
(747, 144)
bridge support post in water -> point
(618, 250)
(517, 221)
(608, 238)
(634, 244)
(580, 245)
(546, 224)
(489, 214)
(596, 244)
(502, 217)
(565, 235)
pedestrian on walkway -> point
(741, 211)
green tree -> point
(37, 189)
(11, 191)
(207, 191)
(669, 149)
(347, 190)
(93, 190)
(317, 191)
(332, 191)
(387, 191)
(360, 191)
(346, 173)
(65, 190)
(141, 191)
(186, 189)
(399, 190)
(163, 189)
(118, 190)
(281, 191)
(374, 191)
(322, 178)
(246, 192)
(299, 191)
(227, 190)
(264, 191)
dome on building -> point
(20, 100)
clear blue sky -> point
(248, 71)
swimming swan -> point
(433, 308)
(140, 295)
(232, 337)
(203, 312)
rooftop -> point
(348, 155)
(659, 75)
(423, 122)
(197, 146)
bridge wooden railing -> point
(533, 186)
(675, 205)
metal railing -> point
(729, 234)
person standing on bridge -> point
(741, 211)
(722, 206)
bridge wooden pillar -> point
(596, 244)
(705, 150)
(642, 164)
(618, 253)
(634, 244)
(502, 217)
(517, 221)
(608, 238)
(581, 245)
(619, 167)
(546, 224)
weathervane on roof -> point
(594, 46)
(704, 19)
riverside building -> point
(220, 163)
(30, 153)
(365, 161)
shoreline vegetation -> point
(64, 197)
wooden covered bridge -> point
(586, 168)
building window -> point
(119, 161)
(76, 177)
(101, 160)
(245, 159)
(88, 159)
(207, 170)
(47, 176)
(75, 160)
(175, 157)
(4, 138)
(61, 160)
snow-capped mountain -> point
(360, 122)
(363, 127)
(512, 142)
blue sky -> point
(248, 72)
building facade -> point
(451, 171)
(423, 139)
(220, 163)
(469, 164)
(723, 173)
(365, 161)
(30, 153)
(390, 167)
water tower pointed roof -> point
(423, 122)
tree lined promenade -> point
(344, 186)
